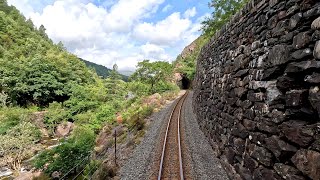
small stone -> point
(296, 97)
(255, 45)
(277, 116)
(273, 2)
(301, 40)
(316, 51)
(266, 125)
(287, 172)
(308, 162)
(249, 125)
(241, 73)
(300, 54)
(294, 20)
(285, 82)
(250, 163)
(261, 154)
(314, 98)
(313, 78)
(316, 24)
(316, 35)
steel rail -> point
(165, 139)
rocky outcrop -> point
(256, 93)
(64, 129)
(189, 49)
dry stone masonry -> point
(257, 91)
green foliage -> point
(10, 117)
(223, 10)
(18, 144)
(152, 73)
(187, 65)
(54, 116)
(33, 70)
(75, 150)
(106, 113)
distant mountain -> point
(126, 73)
(102, 70)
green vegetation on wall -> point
(223, 10)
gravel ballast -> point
(203, 164)
(139, 164)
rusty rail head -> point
(182, 98)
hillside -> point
(102, 71)
(185, 64)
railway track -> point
(171, 162)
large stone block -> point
(279, 148)
(279, 54)
(308, 162)
(298, 132)
(301, 40)
(263, 173)
(288, 172)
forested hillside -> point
(34, 70)
(102, 71)
(47, 94)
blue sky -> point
(119, 31)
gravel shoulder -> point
(139, 164)
(203, 163)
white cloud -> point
(190, 13)
(154, 52)
(165, 32)
(115, 31)
(167, 8)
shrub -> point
(18, 144)
(106, 113)
(72, 152)
(10, 117)
(55, 115)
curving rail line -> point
(171, 150)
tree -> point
(223, 10)
(114, 74)
(152, 72)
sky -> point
(119, 31)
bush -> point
(70, 153)
(18, 144)
(10, 117)
(106, 113)
(55, 115)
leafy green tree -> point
(223, 10)
(152, 72)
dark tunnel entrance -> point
(184, 83)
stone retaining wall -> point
(256, 92)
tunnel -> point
(184, 83)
